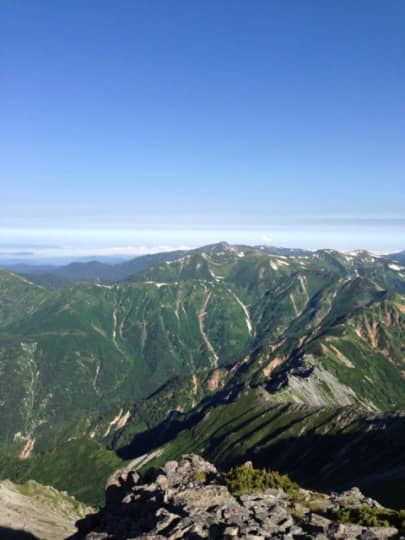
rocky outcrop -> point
(189, 499)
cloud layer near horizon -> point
(47, 242)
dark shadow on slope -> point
(152, 438)
(168, 429)
(214, 443)
(372, 460)
(7, 533)
(370, 457)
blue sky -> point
(159, 123)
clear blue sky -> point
(172, 115)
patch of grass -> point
(200, 476)
(315, 506)
(370, 517)
(245, 479)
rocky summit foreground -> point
(190, 499)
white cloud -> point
(104, 241)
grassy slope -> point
(80, 467)
(94, 345)
(19, 298)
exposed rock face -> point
(189, 499)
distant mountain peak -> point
(218, 246)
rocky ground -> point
(32, 510)
(190, 499)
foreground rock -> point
(189, 499)
(32, 510)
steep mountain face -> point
(107, 363)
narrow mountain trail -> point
(201, 319)
(27, 282)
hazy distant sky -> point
(138, 124)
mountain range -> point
(59, 276)
(292, 358)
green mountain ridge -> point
(100, 364)
(323, 448)
(58, 277)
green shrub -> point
(200, 476)
(367, 516)
(315, 506)
(245, 479)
